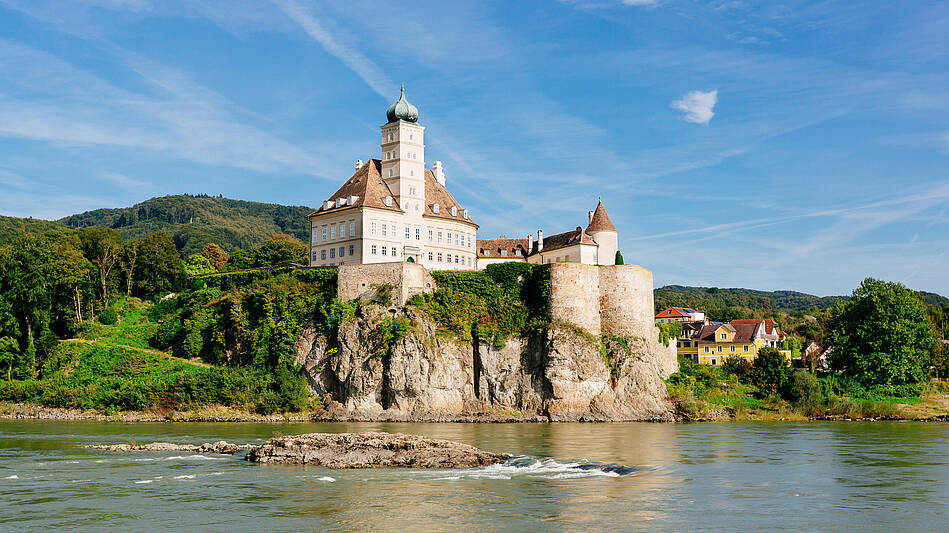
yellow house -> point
(717, 342)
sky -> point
(766, 145)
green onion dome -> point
(402, 110)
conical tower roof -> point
(600, 221)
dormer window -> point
(435, 209)
(388, 201)
(341, 201)
(503, 252)
(352, 199)
(465, 214)
(454, 211)
(329, 204)
(390, 136)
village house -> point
(712, 343)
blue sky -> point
(799, 145)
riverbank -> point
(931, 408)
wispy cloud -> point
(698, 106)
(352, 58)
(640, 2)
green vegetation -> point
(12, 227)
(882, 337)
(503, 300)
(196, 221)
(668, 331)
(619, 258)
(884, 342)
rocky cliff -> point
(391, 363)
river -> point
(682, 477)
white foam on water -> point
(80, 481)
(195, 457)
(524, 466)
(186, 476)
(14, 476)
(143, 459)
(144, 481)
(326, 478)
(100, 460)
(216, 474)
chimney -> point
(530, 244)
(358, 164)
(589, 218)
(540, 240)
(439, 172)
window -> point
(731, 348)
(457, 258)
(454, 211)
(713, 362)
(429, 257)
(352, 229)
(372, 249)
(503, 252)
(314, 236)
(384, 251)
(332, 253)
(372, 228)
(517, 252)
(435, 209)
(342, 251)
(393, 252)
(418, 234)
(719, 348)
(352, 250)
(314, 256)
(449, 237)
(410, 136)
(390, 136)
(323, 234)
(390, 172)
(439, 257)
(706, 349)
(323, 255)
(407, 234)
(384, 226)
(388, 199)
(439, 236)
(724, 336)
(411, 191)
(332, 232)
(430, 235)
(393, 230)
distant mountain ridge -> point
(12, 227)
(196, 220)
(704, 298)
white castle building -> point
(393, 209)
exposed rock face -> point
(562, 374)
(371, 450)
(221, 447)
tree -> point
(130, 254)
(216, 256)
(882, 336)
(198, 265)
(160, 269)
(103, 248)
(804, 389)
(280, 250)
(9, 354)
(771, 370)
(619, 258)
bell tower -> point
(403, 156)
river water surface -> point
(568, 477)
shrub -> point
(268, 402)
(108, 316)
(804, 389)
(771, 370)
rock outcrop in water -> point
(371, 450)
(219, 447)
(559, 374)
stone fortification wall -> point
(407, 279)
(575, 295)
(626, 301)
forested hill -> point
(194, 221)
(711, 299)
(11, 227)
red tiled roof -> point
(492, 247)
(672, 312)
(600, 221)
(769, 323)
(436, 193)
(369, 188)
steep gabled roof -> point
(436, 193)
(367, 185)
(708, 331)
(563, 240)
(600, 221)
(771, 327)
(492, 247)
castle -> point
(394, 210)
